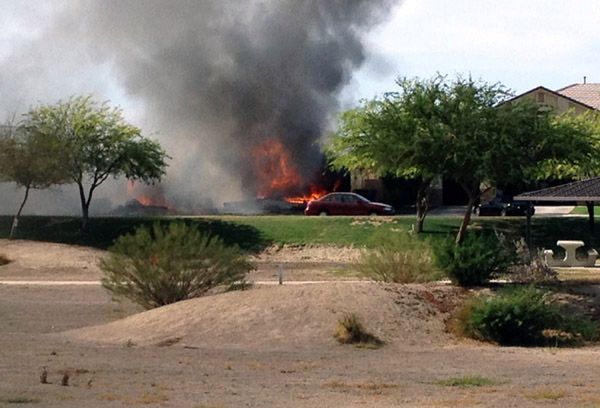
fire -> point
(148, 197)
(274, 169)
(315, 193)
(278, 176)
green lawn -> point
(582, 210)
(255, 232)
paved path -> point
(98, 283)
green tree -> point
(491, 140)
(463, 130)
(99, 144)
(397, 134)
(579, 156)
(30, 160)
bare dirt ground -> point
(269, 346)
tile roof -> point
(583, 190)
(588, 94)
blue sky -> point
(522, 44)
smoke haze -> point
(209, 79)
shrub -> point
(350, 330)
(477, 259)
(530, 266)
(166, 264)
(400, 260)
(4, 260)
(522, 316)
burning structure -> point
(238, 93)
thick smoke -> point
(210, 79)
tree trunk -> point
(15, 223)
(422, 204)
(590, 208)
(85, 207)
(460, 237)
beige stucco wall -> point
(558, 103)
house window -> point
(540, 97)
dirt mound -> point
(45, 260)
(280, 316)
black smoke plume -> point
(213, 78)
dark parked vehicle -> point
(497, 207)
(346, 204)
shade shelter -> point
(582, 191)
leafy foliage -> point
(464, 130)
(400, 259)
(397, 134)
(31, 160)
(476, 260)
(98, 144)
(162, 265)
(579, 151)
(522, 316)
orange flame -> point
(275, 172)
(315, 193)
(148, 198)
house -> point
(577, 98)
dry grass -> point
(367, 387)
(18, 399)
(168, 342)
(543, 394)
(402, 259)
(467, 381)
(152, 398)
(4, 260)
(350, 330)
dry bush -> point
(162, 265)
(350, 330)
(402, 259)
(530, 266)
(4, 260)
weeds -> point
(467, 382)
(402, 259)
(530, 266)
(369, 387)
(545, 394)
(350, 330)
(19, 400)
(4, 260)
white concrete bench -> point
(570, 260)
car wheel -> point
(373, 214)
(323, 214)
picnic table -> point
(570, 259)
